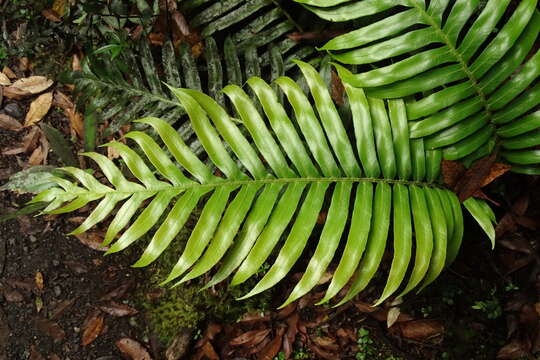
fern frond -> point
(472, 66)
(274, 187)
(259, 48)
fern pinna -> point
(273, 189)
(472, 67)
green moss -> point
(187, 306)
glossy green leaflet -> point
(468, 70)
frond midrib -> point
(457, 56)
(284, 181)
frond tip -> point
(377, 180)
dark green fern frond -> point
(273, 188)
(469, 68)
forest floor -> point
(61, 299)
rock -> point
(14, 110)
(179, 345)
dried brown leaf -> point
(252, 317)
(250, 338)
(117, 309)
(76, 63)
(322, 354)
(208, 351)
(4, 80)
(39, 280)
(93, 240)
(392, 316)
(272, 349)
(51, 15)
(420, 330)
(93, 326)
(475, 176)
(38, 109)
(452, 171)
(9, 73)
(119, 291)
(513, 350)
(9, 123)
(326, 342)
(497, 170)
(133, 349)
(37, 157)
(27, 86)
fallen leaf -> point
(76, 63)
(208, 351)
(119, 291)
(420, 330)
(326, 342)
(39, 280)
(93, 240)
(118, 310)
(452, 171)
(9, 123)
(38, 109)
(27, 86)
(92, 328)
(322, 354)
(9, 73)
(37, 157)
(286, 311)
(475, 177)
(51, 15)
(209, 334)
(54, 357)
(133, 349)
(272, 349)
(252, 338)
(4, 80)
(254, 316)
(50, 328)
(513, 350)
(392, 316)
(497, 170)
(76, 122)
(364, 307)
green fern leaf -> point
(472, 65)
(134, 77)
(273, 188)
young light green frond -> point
(261, 195)
(471, 65)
